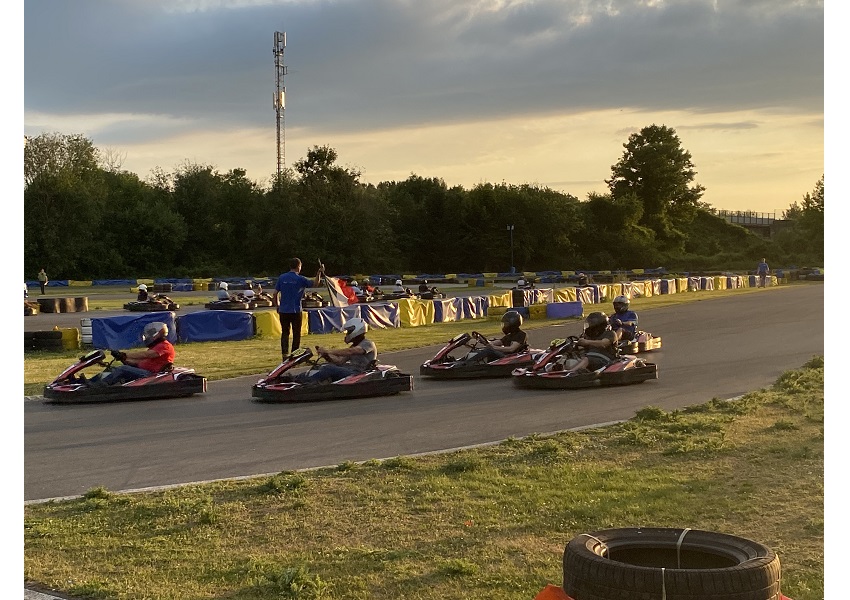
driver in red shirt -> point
(140, 363)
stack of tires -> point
(43, 340)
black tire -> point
(47, 335)
(48, 305)
(623, 564)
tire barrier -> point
(63, 305)
(48, 305)
(66, 305)
(85, 332)
(676, 564)
(43, 340)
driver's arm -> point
(131, 357)
(603, 343)
(339, 356)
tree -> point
(804, 240)
(54, 153)
(659, 172)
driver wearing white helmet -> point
(143, 293)
(360, 356)
(223, 294)
(158, 354)
(399, 286)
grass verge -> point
(479, 523)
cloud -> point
(366, 64)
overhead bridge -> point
(761, 223)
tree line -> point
(86, 218)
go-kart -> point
(548, 370)
(642, 342)
(280, 385)
(240, 301)
(314, 300)
(30, 308)
(446, 366)
(398, 295)
(71, 386)
(261, 300)
(155, 303)
(431, 294)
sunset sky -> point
(543, 92)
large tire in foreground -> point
(676, 564)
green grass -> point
(261, 355)
(487, 523)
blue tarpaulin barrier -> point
(125, 331)
(564, 310)
(445, 310)
(381, 314)
(215, 326)
(472, 307)
(331, 318)
(129, 282)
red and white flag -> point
(338, 297)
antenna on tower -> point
(280, 98)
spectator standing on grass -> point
(763, 271)
(288, 294)
(42, 280)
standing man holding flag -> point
(288, 293)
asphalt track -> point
(713, 348)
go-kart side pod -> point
(625, 370)
(383, 380)
(643, 342)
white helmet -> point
(222, 285)
(354, 328)
(398, 282)
(154, 332)
(142, 286)
(353, 283)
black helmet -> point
(582, 279)
(621, 304)
(595, 323)
(511, 321)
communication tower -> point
(280, 98)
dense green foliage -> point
(84, 218)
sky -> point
(542, 92)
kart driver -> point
(223, 294)
(359, 357)
(599, 343)
(140, 363)
(514, 340)
(623, 321)
(143, 293)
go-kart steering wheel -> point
(480, 338)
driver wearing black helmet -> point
(513, 340)
(599, 343)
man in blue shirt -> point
(288, 293)
(623, 321)
(762, 271)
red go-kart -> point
(71, 386)
(280, 385)
(445, 366)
